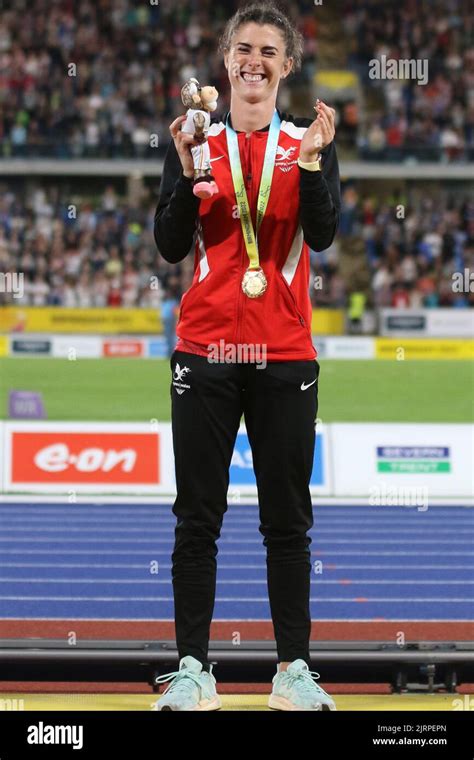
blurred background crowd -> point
(405, 249)
(96, 79)
(110, 73)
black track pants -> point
(280, 404)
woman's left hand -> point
(319, 134)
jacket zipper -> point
(248, 180)
(248, 186)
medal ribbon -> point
(250, 238)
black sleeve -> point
(177, 210)
(320, 201)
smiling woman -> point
(266, 14)
(278, 194)
(260, 48)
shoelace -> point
(307, 679)
(177, 680)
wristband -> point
(311, 166)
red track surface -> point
(258, 630)
(370, 630)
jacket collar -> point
(264, 129)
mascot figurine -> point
(200, 102)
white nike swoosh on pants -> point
(304, 387)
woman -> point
(250, 288)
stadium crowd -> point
(430, 115)
(410, 246)
(97, 79)
(105, 254)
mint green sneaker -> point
(295, 689)
(191, 688)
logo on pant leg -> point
(178, 376)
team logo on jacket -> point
(284, 158)
(178, 376)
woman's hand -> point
(319, 134)
(183, 142)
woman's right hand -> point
(183, 142)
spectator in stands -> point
(400, 296)
(355, 312)
(114, 297)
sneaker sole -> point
(203, 706)
(281, 703)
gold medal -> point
(254, 283)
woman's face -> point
(257, 61)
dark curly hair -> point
(265, 13)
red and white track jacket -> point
(302, 211)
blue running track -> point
(95, 562)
